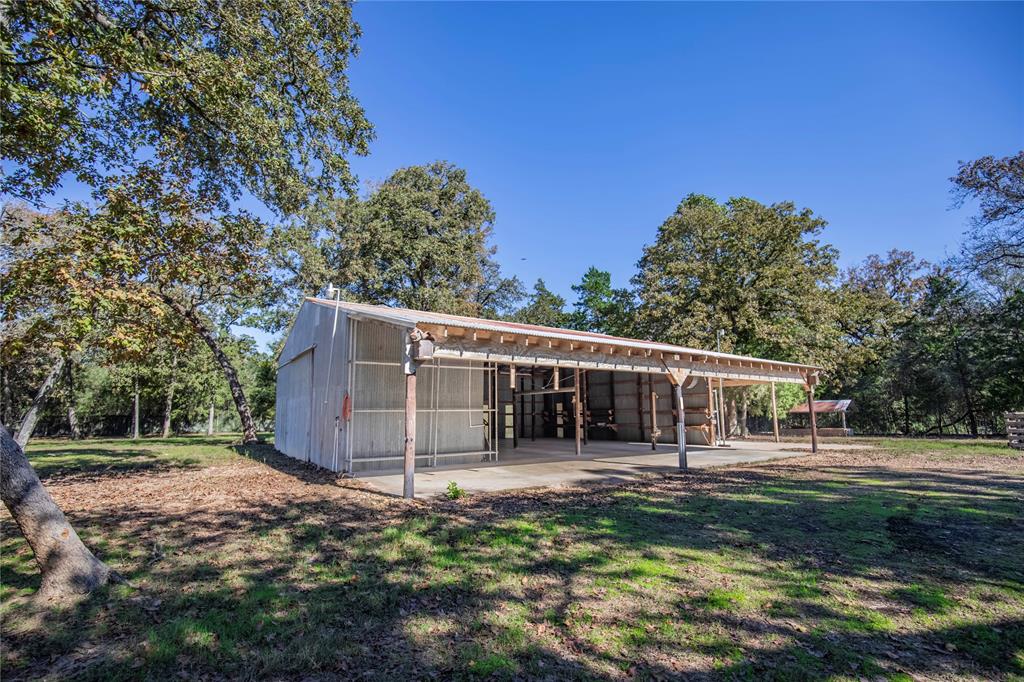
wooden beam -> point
(640, 403)
(515, 420)
(814, 421)
(410, 436)
(775, 414)
(578, 408)
(548, 391)
(711, 410)
(723, 428)
(584, 396)
(680, 426)
(654, 413)
(676, 375)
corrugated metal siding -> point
(625, 406)
(293, 413)
(318, 413)
(697, 413)
(378, 398)
(601, 406)
(452, 426)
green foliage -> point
(925, 349)
(755, 271)
(454, 492)
(787, 396)
(600, 308)
(249, 96)
(544, 308)
(996, 240)
(419, 240)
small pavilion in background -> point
(799, 418)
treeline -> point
(173, 390)
(921, 348)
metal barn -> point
(367, 389)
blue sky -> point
(585, 124)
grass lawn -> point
(905, 561)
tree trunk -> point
(28, 422)
(972, 418)
(906, 415)
(241, 404)
(76, 433)
(209, 422)
(67, 566)
(135, 410)
(169, 403)
(731, 414)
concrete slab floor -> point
(552, 463)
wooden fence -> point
(1015, 429)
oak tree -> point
(420, 239)
(187, 99)
(755, 271)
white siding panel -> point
(294, 406)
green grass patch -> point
(927, 598)
(946, 446)
(782, 573)
(61, 457)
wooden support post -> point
(640, 404)
(677, 377)
(612, 419)
(512, 382)
(814, 421)
(681, 426)
(577, 406)
(586, 404)
(410, 435)
(711, 411)
(775, 415)
(654, 414)
(533, 405)
(522, 414)
(723, 428)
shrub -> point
(454, 491)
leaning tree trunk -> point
(169, 403)
(207, 335)
(67, 566)
(28, 422)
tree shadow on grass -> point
(82, 464)
(715, 574)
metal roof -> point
(824, 406)
(410, 318)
